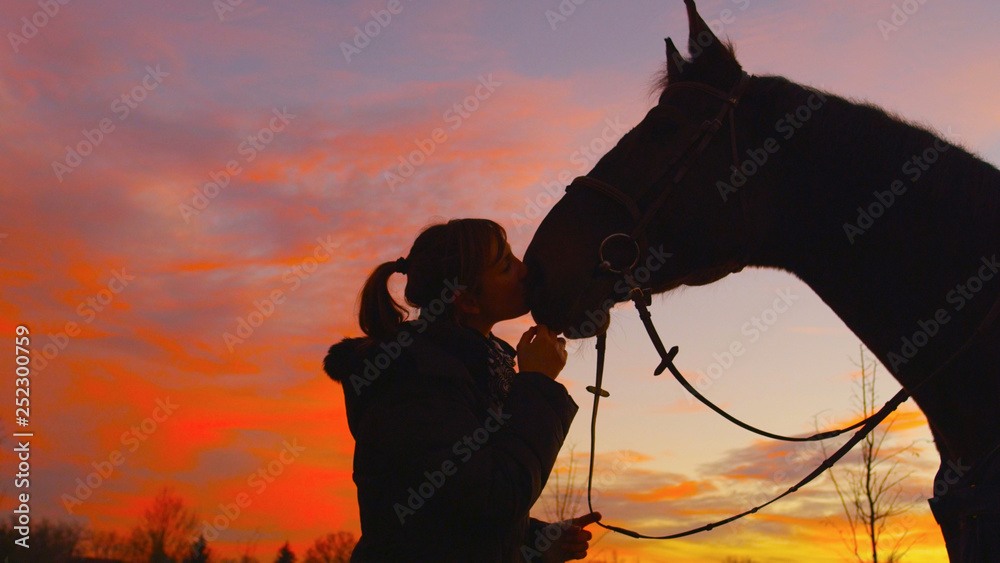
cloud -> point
(669, 492)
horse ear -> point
(675, 62)
(702, 42)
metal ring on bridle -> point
(606, 264)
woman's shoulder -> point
(407, 370)
(414, 349)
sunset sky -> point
(336, 131)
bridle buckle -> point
(640, 294)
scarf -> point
(501, 364)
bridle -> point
(675, 170)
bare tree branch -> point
(870, 492)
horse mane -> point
(859, 127)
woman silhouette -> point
(453, 446)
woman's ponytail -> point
(379, 315)
(456, 252)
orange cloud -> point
(683, 490)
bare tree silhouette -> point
(162, 535)
(565, 496)
(50, 541)
(285, 555)
(332, 548)
(199, 551)
(100, 544)
(248, 548)
(164, 531)
(870, 491)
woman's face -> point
(504, 293)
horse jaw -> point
(705, 277)
(578, 317)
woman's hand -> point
(541, 350)
(573, 542)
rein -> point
(642, 299)
(866, 426)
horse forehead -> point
(667, 111)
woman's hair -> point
(444, 255)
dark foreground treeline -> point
(167, 532)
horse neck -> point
(884, 220)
